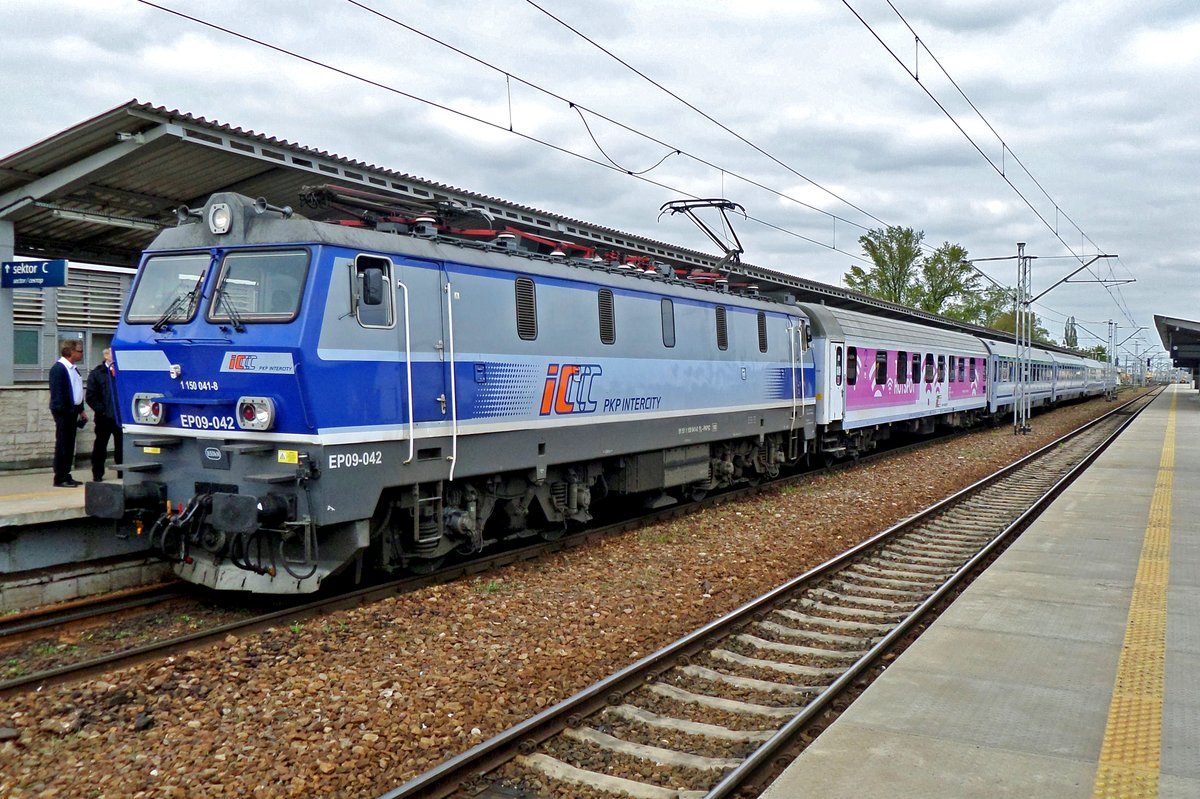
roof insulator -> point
(425, 227)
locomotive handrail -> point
(792, 377)
(453, 382)
(412, 435)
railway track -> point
(174, 645)
(705, 716)
(47, 618)
(44, 620)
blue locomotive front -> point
(301, 397)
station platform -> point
(50, 551)
(1068, 669)
(30, 497)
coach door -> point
(835, 385)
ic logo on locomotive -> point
(242, 363)
(568, 388)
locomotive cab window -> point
(168, 289)
(262, 286)
(373, 301)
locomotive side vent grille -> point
(722, 329)
(608, 322)
(526, 309)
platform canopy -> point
(1181, 338)
(99, 192)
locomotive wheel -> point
(552, 534)
(425, 565)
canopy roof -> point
(1181, 338)
(99, 192)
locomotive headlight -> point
(147, 409)
(220, 218)
(255, 413)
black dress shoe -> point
(67, 484)
(97, 479)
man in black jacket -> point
(66, 404)
(102, 399)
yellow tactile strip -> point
(1129, 759)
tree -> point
(1070, 334)
(944, 282)
(894, 277)
(1004, 322)
(947, 278)
(982, 308)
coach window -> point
(929, 367)
(901, 368)
(916, 367)
(372, 291)
(722, 329)
(668, 323)
(941, 373)
(974, 374)
(952, 369)
(762, 332)
(881, 368)
(608, 321)
(962, 370)
(851, 366)
(526, 295)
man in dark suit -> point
(66, 404)
(102, 399)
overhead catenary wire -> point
(1000, 170)
(788, 167)
(580, 108)
(534, 139)
(511, 129)
(703, 113)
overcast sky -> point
(1096, 98)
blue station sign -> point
(33, 274)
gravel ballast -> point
(354, 703)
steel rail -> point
(445, 778)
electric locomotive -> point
(303, 397)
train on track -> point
(304, 397)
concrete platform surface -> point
(1068, 669)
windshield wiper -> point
(224, 302)
(177, 303)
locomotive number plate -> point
(195, 421)
(349, 460)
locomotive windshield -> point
(168, 289)
(259, 287)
